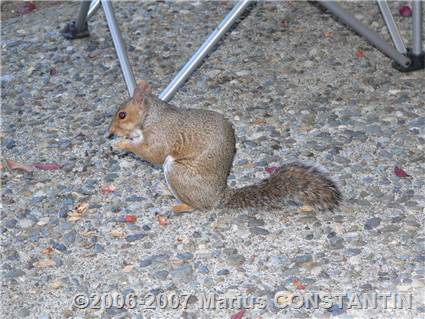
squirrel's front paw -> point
(120, 145)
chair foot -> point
(71, 32)
(418, 62)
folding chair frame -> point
(405, 60)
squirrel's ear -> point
(140, 90)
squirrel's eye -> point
(122, 115)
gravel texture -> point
(294, 84)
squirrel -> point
(196, 148)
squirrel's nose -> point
(111, 136)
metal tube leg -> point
(206, 47)
(119, 46)
(391, 26)
(417, 27)
(82, 16)
(94, 6)
(369, 35)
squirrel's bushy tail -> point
(306, 184)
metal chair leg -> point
(202, 52)
(412, 60)
(391, 26)
(417, 27)
(94, 6)
(368, 34)
(78, 29)
(415, 53)
(119, 46)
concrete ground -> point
(297, 85)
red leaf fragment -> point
(27, 7)
(238, 315)
(400, 172)
(130, 218)
(271, 169)
(47, 166)
(18, 166)
(162, 220)
(360, 54)
(108, 189)
(405, 11)
(298, 284)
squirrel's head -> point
(129, 117)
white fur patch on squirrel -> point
(137, 136)
(167, 167)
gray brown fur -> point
(198, 147)
(303, 183)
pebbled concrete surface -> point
(296, 84)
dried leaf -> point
(78, 212)
(15, 166)
(47, 250)
(271, 169)
(128, 268)
(360, 54)
(117, 233)
(56, 284)
(27, 7)
(47, 166)
(87, 233)
(162, 220)
(260, 121)
(238, 315)
(305, 209)
(87, 245)
(44, 263)
(92, 55)
(72, 217)
(400, 172)
(129, 218)
(108, 189)
(298, 284)
(81, 208)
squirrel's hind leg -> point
(192, 188)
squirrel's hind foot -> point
(182, 208)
